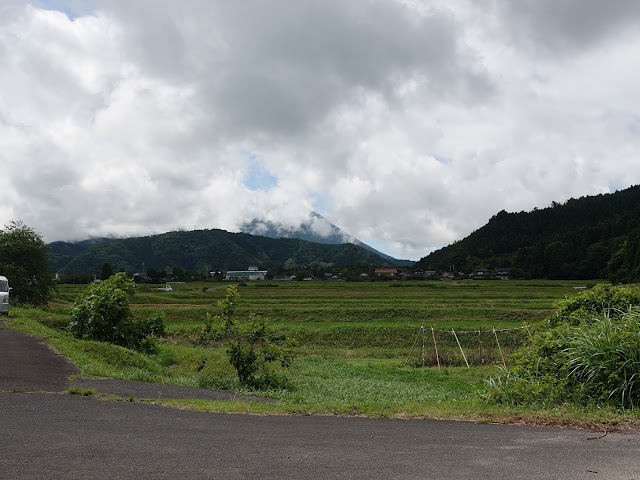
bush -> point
(102, 313)
(588, 352)
(599, 300)
(252, 348)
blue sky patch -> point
(59, 6)
(442, 160)
(259, 178)
(320, 203)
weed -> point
(87, 392)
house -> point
(481, 273)
(140, 278)
(423, 274)
(389, 272)
(501, 273)
(252, 273)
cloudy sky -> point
(406, 123)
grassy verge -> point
(322, 381)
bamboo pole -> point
(499, 348)
(527, 326)
(414, 344)
(435, 345)
(424, 362)
(460, 346)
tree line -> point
(586, 238)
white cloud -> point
(406, 123)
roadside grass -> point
(351, 362)
(86, 392)
(319, 384)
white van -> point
(4, 296)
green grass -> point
(355, 340)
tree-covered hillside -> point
(585, 238)
(63, 252)
(206, 250)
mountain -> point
(586, 238)
(317, 229)
(204, 250)
(64, 252)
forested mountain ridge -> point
(585, 238)
(203, 251)
(64, 252)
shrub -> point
(588, 352)
(537, 373)
(102, 313)
(252, 348)
(601, 299)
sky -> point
(406, 123)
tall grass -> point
(604, 360)
(594, 362)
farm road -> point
(55, 436)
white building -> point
(237, 275)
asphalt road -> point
(54, 435)
(27, 364)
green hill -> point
(203, 251)
(65, 252)
(585, 238)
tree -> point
(106, 271)
(302, 274)
(251, 346)
(181, 275)
(102, 313)
(24, 258)
(156, 276)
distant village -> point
(253, 273)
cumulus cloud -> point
(406, 123)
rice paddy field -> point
(402, 349)
(372, 319)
